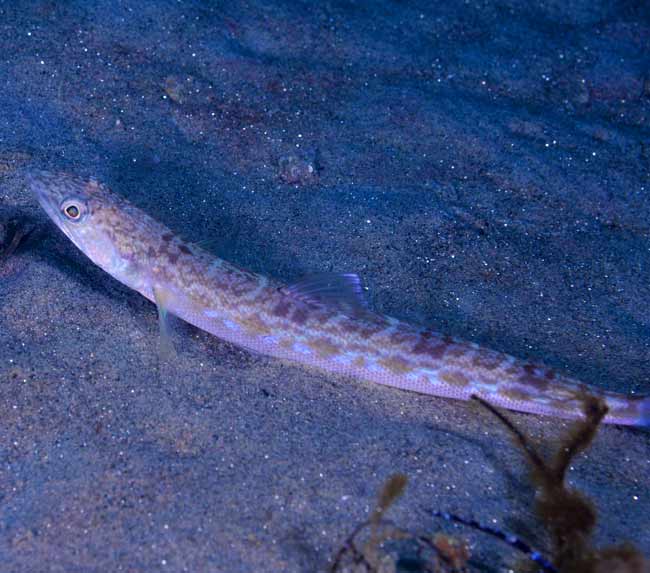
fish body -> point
(303, 323)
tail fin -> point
(644, 411)
(627, 410)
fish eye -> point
(72, 210)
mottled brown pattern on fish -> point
(455, 378)
(282, 309)
(512, 370)
(356, 347)
(363, 328)
(541, 384)
(491, 382)
(251, 310)
(324, 347)
(300, 316)
(396, 364)
(255, 325)
(516, 394)
(403, 338)
(487, 361)
(432, 349)
(457, 351)
(359, 362)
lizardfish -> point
(320, 322)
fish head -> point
(101, 223)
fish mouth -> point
(40, 184)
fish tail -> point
(644, 410)
(628, 410)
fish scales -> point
(258, 313)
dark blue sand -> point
(485, 166)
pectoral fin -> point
(166, 349)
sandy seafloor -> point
(484, 166)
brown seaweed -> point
(12, 235)
(566, 514)
(437, 553)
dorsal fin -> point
(341, 290)
(207, 244)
